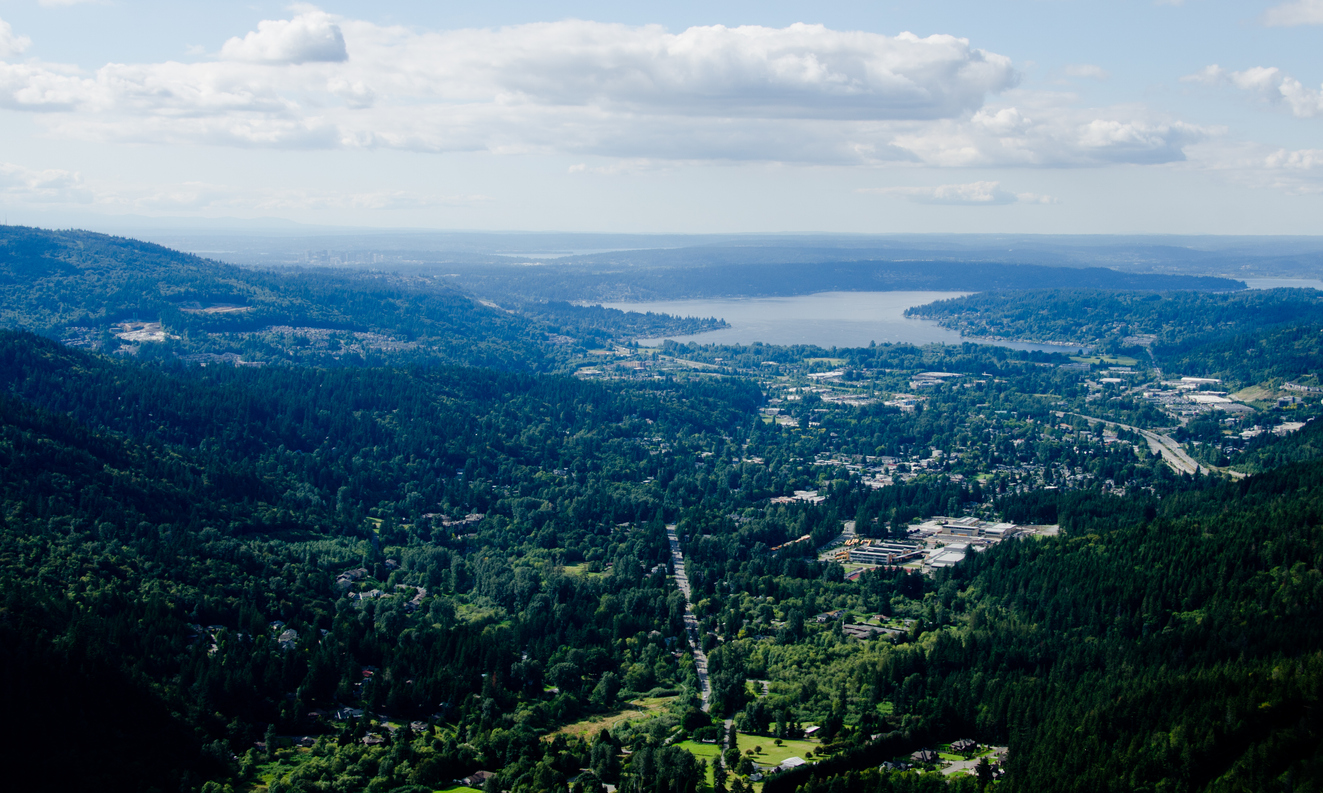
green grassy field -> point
(459, 789)
(772, 754)
(635, 710)
(581, 569)
(1255, 393)
(1113, 360)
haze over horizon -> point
(1021, 117)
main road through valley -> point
(690, 621)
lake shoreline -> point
(822, 319)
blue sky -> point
(1041, 116)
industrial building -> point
(885, 553)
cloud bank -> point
(799, 94)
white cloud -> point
(46, 186)
(1044, 130)
(11, 45)
(1293, 171)
(1299, 12)
(801, 71)
(1086, 70)
(803, 93)
(968, 194)
(1269, 83)
(309, 37)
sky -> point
(885, 116)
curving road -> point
(690, 621)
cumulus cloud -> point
(1268, 83)
(1300, 12)
(1042, 130)
(968, 194)
(307, 38)
(802, 93)
(1293, 171)
(802, 71)
(798, 71)
(45, 186)
(10, 44)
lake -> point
(1277, 283)
(826, 319)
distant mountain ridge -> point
(1234, 256)
(755, 272)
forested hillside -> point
(390, 573)
(200, 506)
(116, 294)
(1089, 316)
(189, 538)
(1161, 645)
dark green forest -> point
(1177, 320)
(389, 573)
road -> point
(1171, 451)
(690, 621)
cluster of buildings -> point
(907, 403)
(805, 496)
(877, 472)
(348, 577)
(447, 521)
(329, 258)
(937, 543)
(881, 552)
(1190, 396)
(1281, 430)
(930, 379)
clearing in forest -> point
(632, 711)
(771, 754)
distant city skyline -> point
(1041, 116)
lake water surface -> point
(1276, 283)
(826, 319)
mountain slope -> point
(110, 293)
